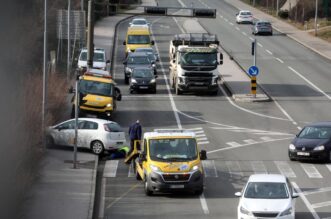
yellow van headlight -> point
(155, 168)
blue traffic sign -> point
(253, 71)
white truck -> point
(194, 61)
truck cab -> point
(170, 160)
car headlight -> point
(195, 168)
(286, 212)
(127, 69)
(155, 168)
(133, 81)
(152, 81)
(291, 147)
(319, 148)
(109, 105)
(153, 65)
(245, 211)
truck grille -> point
(176, 177)
(265, 214)
(198, 74)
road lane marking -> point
(311, 171)
(316, 191)
(321, 204)
(233, 144)
(251, 38)
(209, 168)
(260, 45)
(279, 60)
(328, 166)
(204, 142)
(226, 19)
(202, 139)
(266, 138)
(237, 28)
(268, 51)
(231, 23)
(309, 82)
(103, 198)
(244, 33)
(285, 169)
(234, 168)
(110, 168)
(258, 167)
(299, 127)
(305, 200)
(250, 141)
(204, 204)
(122, 196)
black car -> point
(262, 27)
(312, 143)
(134, 60)
(143, 78)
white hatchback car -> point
(140, 22)
(95, 134)
(99, 59)
(267, 196)
(244, 17)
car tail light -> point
(106, 127)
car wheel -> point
(148, 192)
(97, 147)
(126, 79)
(154, 91)
(199, 191)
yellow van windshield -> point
(138, 39)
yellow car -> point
(97, 94)
(170, 161)
(137, 37)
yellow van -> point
(170, 160)
(137, 37)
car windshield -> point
(198, 59)
(263, 24)
(139, 22)
(96, 88)
(266, 190)
(138, 39)
(142, 73)
(139, 60)
(245, 13)
(183, 149)
(315, 133)
(97, 57)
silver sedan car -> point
(95, 134)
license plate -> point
(119, 143)
(198, 83)
(303, 153)
(143, 87)
(177, 186)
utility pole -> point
(253, 3)
(90, 34)
(44, 76)
(77, 96)
(277, 8)
(82, 5)
(316, 10)
(68, 55)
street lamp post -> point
(69, 46)
(44, 75)
(316, 10)
(77, 95)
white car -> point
(99, 59)
(140, 22)
(244, 17)
(95, 134)
(267, 196)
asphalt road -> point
(241, 138)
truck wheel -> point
(148, 192)
(126, 79)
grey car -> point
(143, 79)
(262, 27)
(133, 60)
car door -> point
(64, 133)
(87, 132)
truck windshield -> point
(96, 88)
(138, 39)
(183, 149)
(198, 59)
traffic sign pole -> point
(254, 62)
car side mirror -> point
(221, 58)
(152, 42)
(295, 195)
(238, 194)
(142, 157)
(203, 155)
(71, 90)
(118, 94)
(124, 43)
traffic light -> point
(204, 13)
(155, 10)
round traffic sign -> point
(253, 71)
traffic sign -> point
(253, 71)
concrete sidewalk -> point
(318, 45)
(61, 191)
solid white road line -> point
(309, 82)
(311, 171)
(200, 135)
(233, 144)
(316, 191)
(266, 138)
(258, 167)
(305, 200)
(204, 142)
(237, 28)
(202, 139)
(281, 61)
(244, 33)
(209, 168)
(321, 204)
(251, 38)
(204, 204)
(285, 169)
(268, 51)
(250, 141)
(110, 168)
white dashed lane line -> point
(268, 51)
(244, 33)
(251, 38)
(260, 45)
(231, 23)
(237, 28)
(279, 60)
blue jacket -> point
(135, 131)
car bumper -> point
(309, 155)
(244, 216)
(142, 87)
(192, 87)
(157, 183)
(107, 111)
(114, 144)
(245, 20)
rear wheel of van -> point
(148, 192)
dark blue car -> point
(312, 143)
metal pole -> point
(68, 55)
(254, 60)
(316, 9)
(277, 8)
(82, 5)
(90, 47)
(76, 122)
(253, 3)
(44, 75)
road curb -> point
(93, 188)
